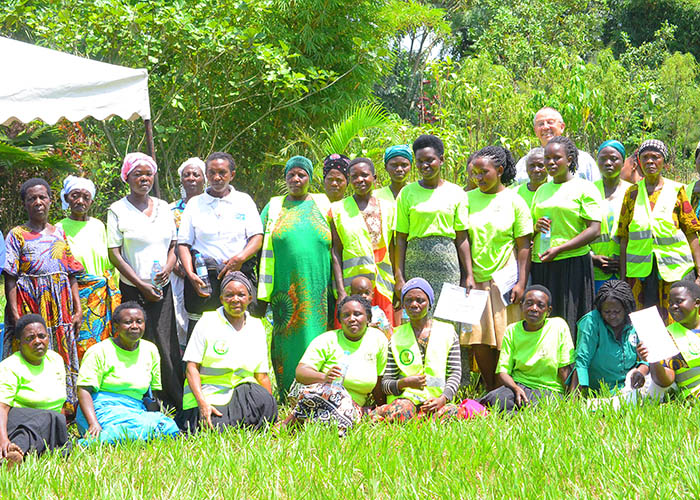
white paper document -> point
(505, 279)
(652, 331)
(455, 305)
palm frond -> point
(358, 119)
(15, 157)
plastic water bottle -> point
(546, 237)
(155, 269)
(202, 272)
(344, 365)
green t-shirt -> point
(501, 217)
(24, 385)
(107, 367)
(568, 205)
(367, 359)
(88, 243)
(525, 193)
(425, 212)
(534, 358)
(385, 193)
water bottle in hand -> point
(155, 269)
(546, 237)
(344, 364)
(202, 272)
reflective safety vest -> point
(217, 376)
(688, 342)
(266, 275)
(358, 254)
(652, 233)
(607, 244)
(409, 360)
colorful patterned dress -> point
(42, 264)
(301, 241)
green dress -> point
(302, 294)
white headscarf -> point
(72, 182)
(195, 162)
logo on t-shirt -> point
(220, 347)
(406, 357)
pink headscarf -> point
(132, 160)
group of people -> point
(162, 307)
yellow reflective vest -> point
(688, 342)
(608, 244)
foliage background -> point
(266, 79)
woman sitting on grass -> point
(227, 367)
(115, 376)
(606, 347)
(424, 365)
(32, 393)
(535, 355)
(340, 369)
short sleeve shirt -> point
(569, 206)
(525, 193)
(425, 212)
(107, 367)
(24, 385)
(534, 358)
(366, 361)
(496, 220)
(143, 239)
(88, 243)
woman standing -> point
(501, 239)
(335, 176)
(431, 225)
(567, 212)
(536, 174)
(87, 239)
(362, 229)
(606, 247)
(397, 162)
(657, 232)
(40, 278)
(141, 240)
(295, 269)
(191, 174)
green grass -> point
(558, 450)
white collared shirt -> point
(587, 168)
(219, 228)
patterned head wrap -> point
(654, 145)
(615, 145)
(192, 162)
(72, 182)
(239, 277)
(398, 150)
(132, 160)
(338, 162)
(420, 284)
(302, 162)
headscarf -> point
(654, 145)
(615, 145)
(302, 162)
(132, 160)
(398, 150)
(72, 182)
(194, 162)
(338, 162)
(239, 277)
(420, 284)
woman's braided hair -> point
(618, 290)
(502, 157)
(570, 148)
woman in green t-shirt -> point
(500, 232)
(536, 173)
(32, 393)
(567, 213)
(431, 225)
(341, 368)
(535, 357)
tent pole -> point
(151, 150)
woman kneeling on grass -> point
(424, 366)
(32, 393)
(535, 356)
(227, 367)
(115, 376)
(340, 368)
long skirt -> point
(251, 406)
(124, 418)
(503, 398)
(327, 403)
(162, 331)
(433, 258)
(571, 283)
(99, 297)
(49, 295)
(37, 430)
(401, 410)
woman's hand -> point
(94, 430)
(516, 294)
(198, 285)
(414, 382)
(398, 286)
(233, 264)
(150, 292)
(341, 295)
(163, 276)
(520, 396)
(543, 225)
(549, 255)
(77, 320)
(642, 351)
(205, 412)
(4, 445)
(433, 404)
(636, 378)
(179, 270)
(468, 283)
(333, 373)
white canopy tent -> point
(45, 84)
